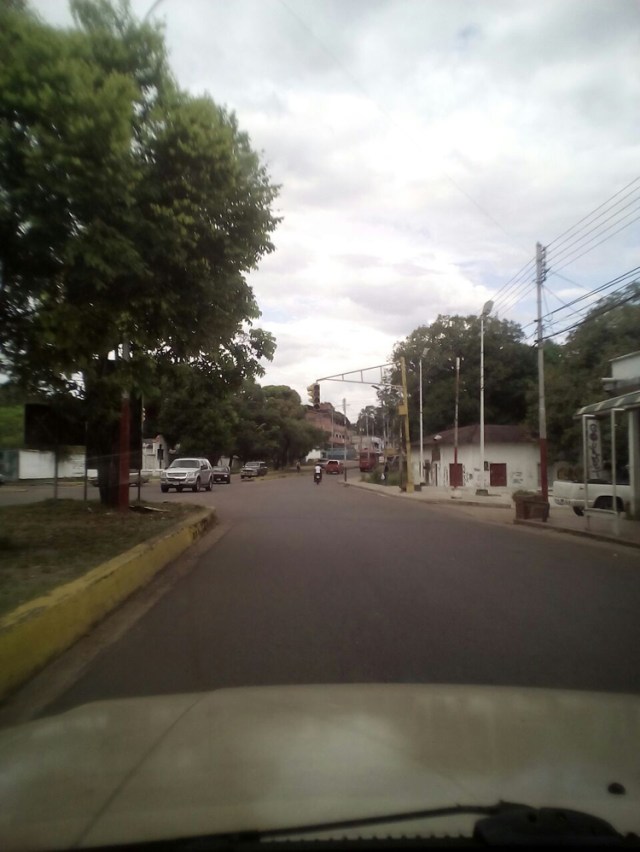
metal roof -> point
(626, 401)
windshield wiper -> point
(503, 824)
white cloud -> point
(423, 149)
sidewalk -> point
(498, 507)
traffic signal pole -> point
(403, 408)
(541, 255)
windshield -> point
(388, 251)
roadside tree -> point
(130, 216)
(510, 368)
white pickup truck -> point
(599, 492)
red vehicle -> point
(334, 466)
(368, 461)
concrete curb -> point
(388, 491)
(610, 539)
(594, 536)
(36, 632)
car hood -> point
(171, 470)
(261, 758)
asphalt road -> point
(327, 584)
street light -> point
(424, 352)
(585, 464)
(486, 310)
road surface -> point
(327, 584)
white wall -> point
(626, 367)
(521, 460)
(150, 460)
(38, 464)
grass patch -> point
(44, 545)
(375, 477)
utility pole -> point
(332, 427)
(455, 422)
(421, 428)
(344, 411)
(486, 310)
(541, 272)
(125, 417)
(404, 410)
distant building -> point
(368, 443)
(155, 453)
(332, 422)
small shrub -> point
(375, 477)
(523, 493)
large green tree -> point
(575, 369)
(130, 213)
(510, 368)
(195, 403)
(272, 425)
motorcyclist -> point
(317, 472)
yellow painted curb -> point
(39, 630)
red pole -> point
(123, 467)
(544, 479)
(455, 447)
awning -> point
(627, 401)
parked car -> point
(134, 476)
(222, 473)
(253, 469)
(187, 473)
(600, 494)
(334, 466)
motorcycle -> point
(317, 477)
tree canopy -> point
(130, 213)
(510, 368)
(575, 369)
(272, 425)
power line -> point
(599, 228)
(599, 289)
(546, 304)
(565, 306)
(568, 250)
(569, 261)
(594, 315)
(595, 210)
(568, 280)
(514, 282)
(347, 71)
(583, 311)
(514, 290)
(576, 245)
(517, 296)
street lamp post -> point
(486, 310)
(421, 427)
(424, 352)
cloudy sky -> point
(423, 147)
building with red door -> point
(511, 458)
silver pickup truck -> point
(253, 469)
(599, 493)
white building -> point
(625, 383)
(155, 454)
(511, 459)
